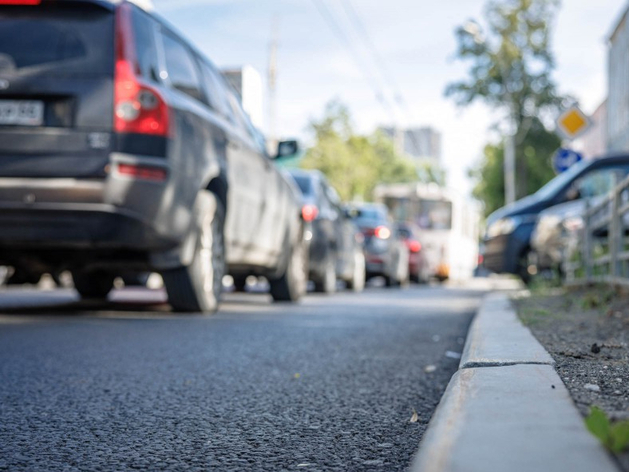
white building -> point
(418, 143)
(618, 82)
(247, 81)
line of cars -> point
(533, 235)
(124, 151)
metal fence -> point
(600, 253)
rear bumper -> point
(66, 226)
(114, 213)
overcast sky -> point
(416, 42)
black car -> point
(509, 229)
(335, 242)
(122, 149)
(386, 253)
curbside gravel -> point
(506, 408)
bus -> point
(448, 225)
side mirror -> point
(287, 149)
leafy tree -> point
(511, 70)
(535, 153)
(354, 164)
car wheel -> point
(291, 285)
(197, 287)
(328, 283)
(95, 284)
(389, 281)
(357, 283)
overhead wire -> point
(371, 78)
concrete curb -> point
(506, 409)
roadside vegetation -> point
(511, 65)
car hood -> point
(530, 204)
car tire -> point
(197, 287)
(359, 276)
(389, 281)
(291, 285)
(327, 284)
(240, 283)
(95, 284)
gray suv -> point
(123, 149)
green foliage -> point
(614, 436)
(354, 164)
(511, 67)
(534, 167)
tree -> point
(536, 150)
(354, 164)
(511, 70)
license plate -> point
(21, 112)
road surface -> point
(329, 384)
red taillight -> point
(20, 2)
(155, 174)
(309, 212)
(382, 232)
(138, 107)
(414, 246)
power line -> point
(359, 26)
(370, 77)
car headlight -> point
(503, 226)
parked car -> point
(548, 240)
(335, 243)
(122, 149)
(386, 254)
(418, 268)
(509, 229)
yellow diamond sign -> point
(572, 123)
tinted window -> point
(58, 39)
(215, 90)
(304, 184)
(181, 67)
(367, 216)
(145, 50)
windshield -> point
(60, 39)
(370, 216)
(551, 189)
(304, 183)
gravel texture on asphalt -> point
(587, 334)
(330, 384)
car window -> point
(181, 67)
(215, 91)
(57, 39)
(304, 183)
(145, 50)
(598, 182)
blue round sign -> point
(564, 159)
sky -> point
(416, 43)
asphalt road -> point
(329, 384)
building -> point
(421, 144)
(247, 81)
(593, 143)
(618, 87)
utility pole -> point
(509, 167)
(272, 84)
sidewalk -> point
(506, 409)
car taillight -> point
(155, 174)
(414, 246)
(382, 232)
(20, 2)
(309, 212)
(138, 107)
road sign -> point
(572, 123)
(564, 159)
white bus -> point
(447, 225)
